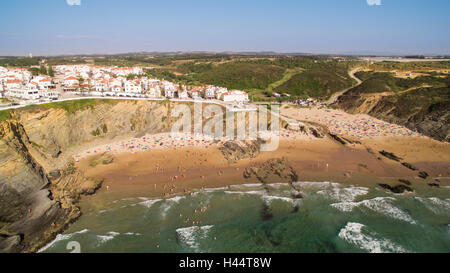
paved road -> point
(230, 107)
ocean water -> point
(330, 218)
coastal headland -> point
(125, 149)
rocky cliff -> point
(39, 186)
(425, 109)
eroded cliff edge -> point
(39, 185)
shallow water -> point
(330, 218)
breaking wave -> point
(101, 239)
(382, 205)
(61, 237)
(190, 235)
(359, 235)
(436, 205)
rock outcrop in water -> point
(396, 189)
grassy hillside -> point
(410, 66)
(421, 104)
(375, 82)
(319, 81)
(241, 75)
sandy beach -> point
(168, 172)
(166, 164)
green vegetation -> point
(50, 71)
(18, 61)
(42, 71)
(375, 82)
(288, 74)
(72, 106)
(406, 104)
(386, 65)
(103, 159)
(260, 75)
(5, 115)
(241, 75)
(320, 81)
(96, 132)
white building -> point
(49, 94)
(42, 82)
(70, 81)
(210, 92)
(235, 96)
(154, 92)
(132, 88)
(183, 94)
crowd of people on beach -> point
(168, 140)
(338, 122)
(361, 126)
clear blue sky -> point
(52, 27)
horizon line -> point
(362, 53)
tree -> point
(50, 72)
(42, 70)
(34, 71)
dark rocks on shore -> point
(338, 139)
(396, 189)
(423, 175)
(409, 166)
(433, 185)
(103, 159)
(275, 167)
(316, 133)
(234, 151)
(390, 156)
(352, 141)
(404, 181)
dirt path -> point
(288, 74)
(335, 96)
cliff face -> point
(39, 187)
(425, 110)
(54, 130)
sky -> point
(55, 27)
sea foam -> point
(190, 235)
(101, 239)
(360, 236)
(383, 205)
(61, 237)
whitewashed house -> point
(235, 96)
(210, 93)
(154, 92)
(13, 84)
(71, 80)
(132, 88)
(183, 95)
